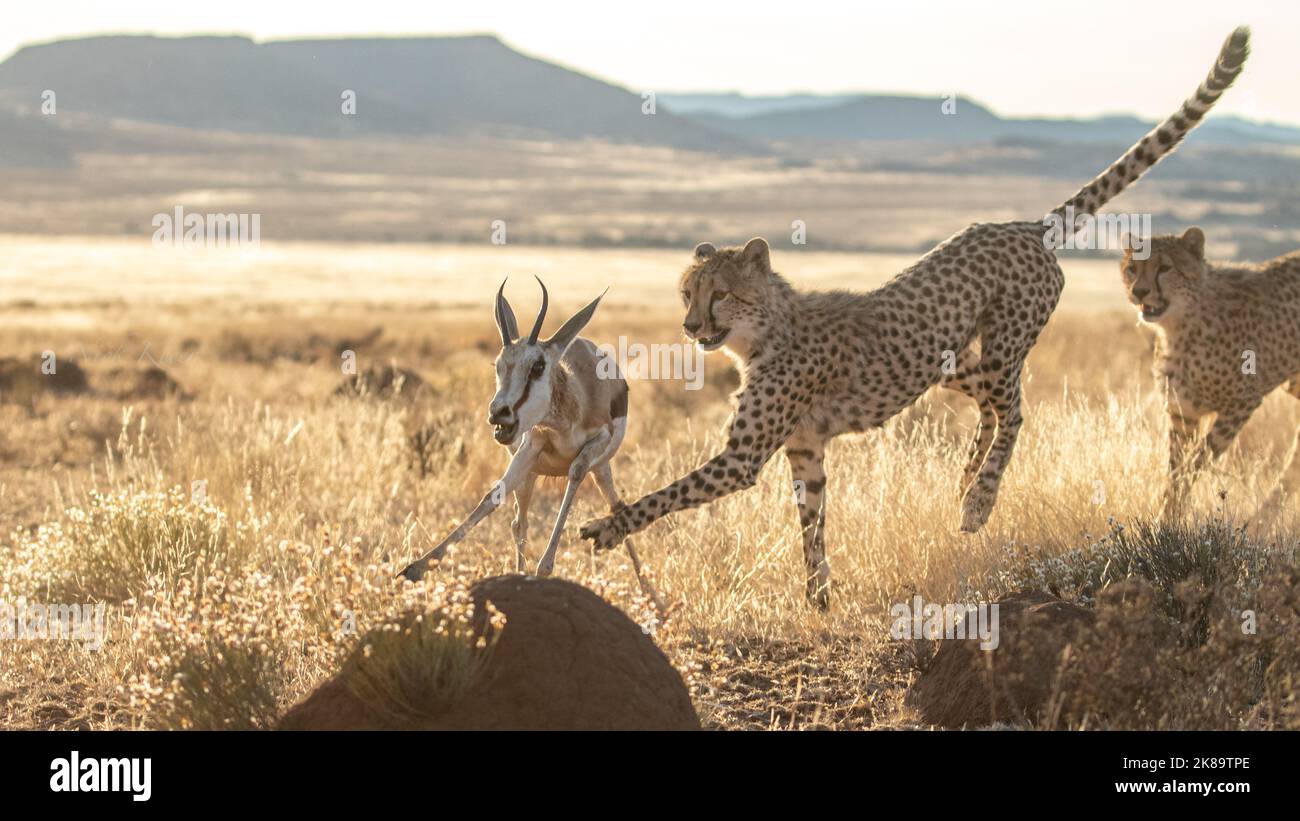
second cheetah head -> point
(727, 294)
(1162, 285)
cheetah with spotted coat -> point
(815, 365)
(1226, 336)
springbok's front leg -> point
(519, 527)
(520, 470)
(587, 456)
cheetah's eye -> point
(718, 296)
(686, 297)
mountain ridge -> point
(852, 117)
(474, 85)
(403, 85)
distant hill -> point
(434, 85)
(465, 86)
(29, 140)
(878, 117)
(226, 83)
(467, 83)
(901, 117)
(732, 104)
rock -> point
(565, 660)
(383, 382)
(147, 382)
(964, 686)
(21, 380)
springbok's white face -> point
(523, 389)
(524, 368)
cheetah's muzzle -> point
(712, 343)
(1150, 313)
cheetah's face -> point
(1162, 285)
(724, 292)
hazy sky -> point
(1017, 56)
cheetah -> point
(815, 365)
(1226, 335)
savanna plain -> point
(195, 465)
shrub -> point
(120, 546)
(419, 664)
(1195, 628)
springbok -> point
(561, 410)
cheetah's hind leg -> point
(1001, 361)
(965, 379)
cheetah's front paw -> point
(605, 533)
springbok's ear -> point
(505, 317)
(1193, 239)
(705, 250)
(569, 331)
(756, 253)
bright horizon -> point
(1020, 61)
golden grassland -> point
(452, 188)
(861, 196)
(224, 610)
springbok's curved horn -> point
(541, 315)
(505, 317)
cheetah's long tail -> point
(1165, 137)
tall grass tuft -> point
(120, 545)
(420, 664)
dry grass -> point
(224, 609)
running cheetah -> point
(1226, 336)
(815, 365)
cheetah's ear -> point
(1194, 240)
(705, 250)
(756, 254)
(1130, 242)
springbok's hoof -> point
(413, 572)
